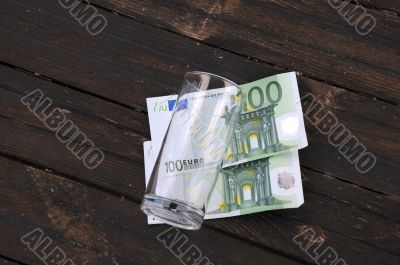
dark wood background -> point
(102, 82)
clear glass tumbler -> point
(193, 149)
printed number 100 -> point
(257, 90)
(171, 166)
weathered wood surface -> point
(95, 227)
(101, 84)
(307, 36)
(111, 72)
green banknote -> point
(271, 120)
(261, 168)
(261, 185)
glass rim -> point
(210, 74)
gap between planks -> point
(372, 7)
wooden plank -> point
(118, 64)
(125, 176)
(94, 227)
(121, 131)
(350, 195)
(110, 125)
(308, 36)
(365, 119)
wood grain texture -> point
(307, 36)
(101, 83)
(122, 67)
(94, 227)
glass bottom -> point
(172, 212)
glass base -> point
(172, 212)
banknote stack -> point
(261, 169)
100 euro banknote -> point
(271, 119)
(262, 185)
(259, 173)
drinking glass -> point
(193, 149)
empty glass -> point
(193, 150)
